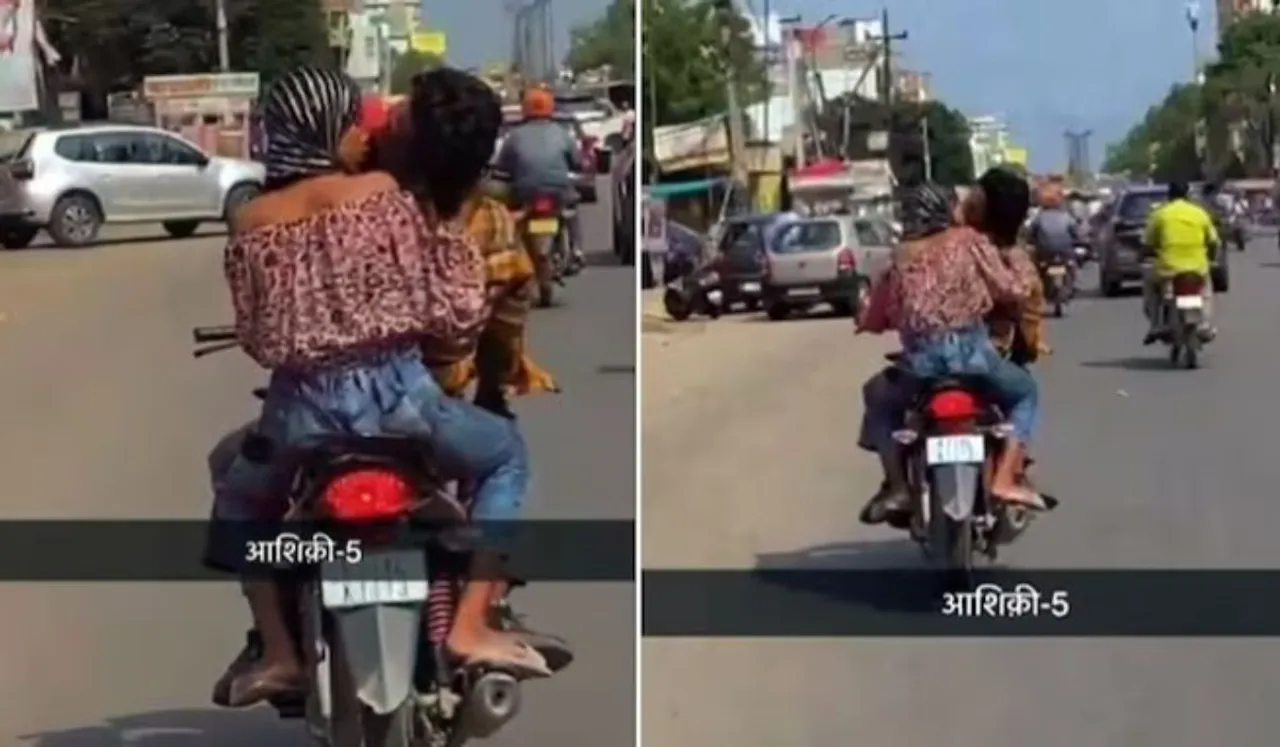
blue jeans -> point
(966, 352)
(396, 395)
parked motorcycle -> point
(380, 676)
(1058, 277)
(697, 291)
(950, 441)
(1182, 313)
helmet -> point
(538, 103)
(926, 210)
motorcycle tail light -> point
(367, 495)
(953, 405)
(1188, 285)
(543, 205)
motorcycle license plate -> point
(380, 577)
(1057, 272)
(955, 450)
(750, 287)
(1189, 302)
(544, 226)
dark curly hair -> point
(454, 118)
(1007, 199)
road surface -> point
(107, 415)
(749, 460)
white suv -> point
(70, 181)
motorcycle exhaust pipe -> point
(493, 700)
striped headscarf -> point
(304, 115)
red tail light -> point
(367, 495)
(22, 170)
(1188, 284)
(953, 404)
(845, 261)
(543, 205)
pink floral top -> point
(945, 282)
(366, 275)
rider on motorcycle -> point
(540, 155)
(1054, 233)
(1180, 235)
(343, 365)
(944, 281)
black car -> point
(740, 259)
(1118, 240)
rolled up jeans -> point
(393, 395)
(885, 399)
(969, 353)
(1153, 297)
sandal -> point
(519, 659)
(554, 649)
(243, 662)
(1032, 501)
(883, 504)
(263, 683)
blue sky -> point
(1047, 65)
(480, 30)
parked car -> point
(600, 119)
(740, 259)
(831, 260)
(72, 181)
(1118, 240)
(584, 181)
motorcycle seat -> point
(397, 448)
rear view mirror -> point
(202, 161)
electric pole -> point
(220, 19)
(737, 137)
(927, 150)
(886, 40)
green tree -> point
(274, 37)
(408, 65)
(609, 40)
(689, 48)
(950, 159)
(1163, 145)
(119, 42)
(1233, 114)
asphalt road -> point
(107, 415)
(749, 433)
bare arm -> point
(1004, 284)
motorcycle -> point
(542, 225)
(950, 440)
(1182, 310)
(1058, 278)
(380, 677)
(695, 291)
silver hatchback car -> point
(71, 181)
(831, 260)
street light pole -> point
(1192, 11)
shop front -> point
(213, 110)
